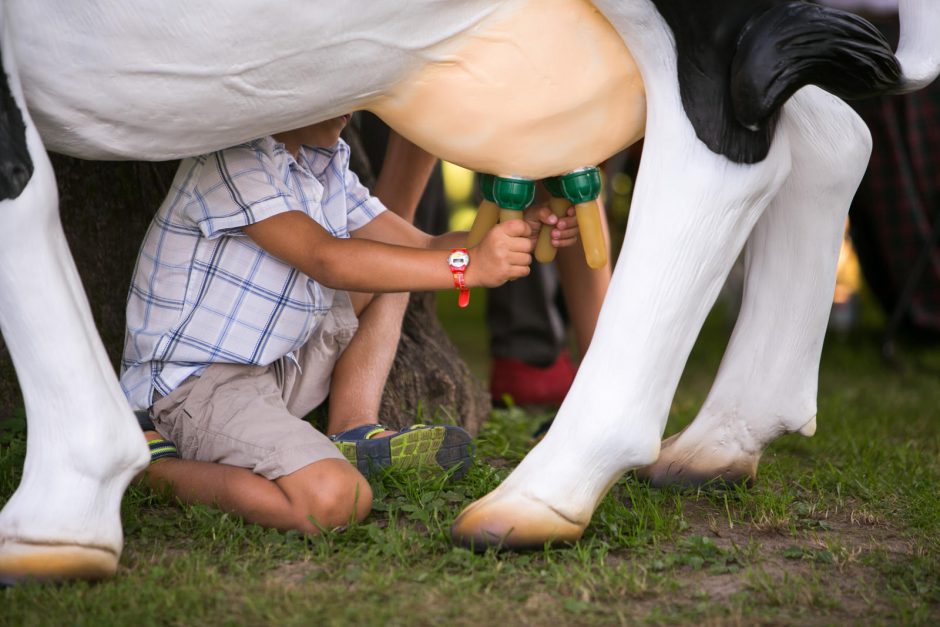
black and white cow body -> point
(738, 155)
(728, 160)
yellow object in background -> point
(458, 190)
(848, 271)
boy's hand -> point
(503, 255)
(564, 229)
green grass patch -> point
(841, 528)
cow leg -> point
(766, 385)
(691, 214)
(83, 444)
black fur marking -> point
(706, 35)
(16, 166)
(799, 44)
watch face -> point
(458, 260)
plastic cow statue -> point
(737, 153)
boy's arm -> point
(364, 265)
(392, 229)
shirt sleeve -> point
(361, 206)
(237, 187)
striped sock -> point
(162, 449)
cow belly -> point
(109, 79)
(539, 88)
(526, 87)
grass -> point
(841, 528)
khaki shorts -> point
(250, 416)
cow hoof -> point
(45, 562)
(698, 467)
(513, 522)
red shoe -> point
(529, 385)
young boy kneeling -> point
(270, 279)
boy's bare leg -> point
(361, 371)
(323, 495)
(331, 492)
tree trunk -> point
(106, 208)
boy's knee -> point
(338, 495)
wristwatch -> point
(457, 261)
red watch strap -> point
(458, 261)
(463, 296)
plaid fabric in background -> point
(898, 202)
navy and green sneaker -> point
(417, 446)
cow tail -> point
(797, 44)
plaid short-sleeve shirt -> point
(203, 292)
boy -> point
(269, 280)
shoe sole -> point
(434, 447)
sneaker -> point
(531, 385)
(419, 446)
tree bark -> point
(106, 208)
(429, 381)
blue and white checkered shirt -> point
(205, 293)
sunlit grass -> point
(841, 528)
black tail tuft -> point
(797, 44)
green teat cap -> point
(582, 185)
(553, 185)
(486, 186)
(513, 193)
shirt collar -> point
(313, 158)
(317, 159)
